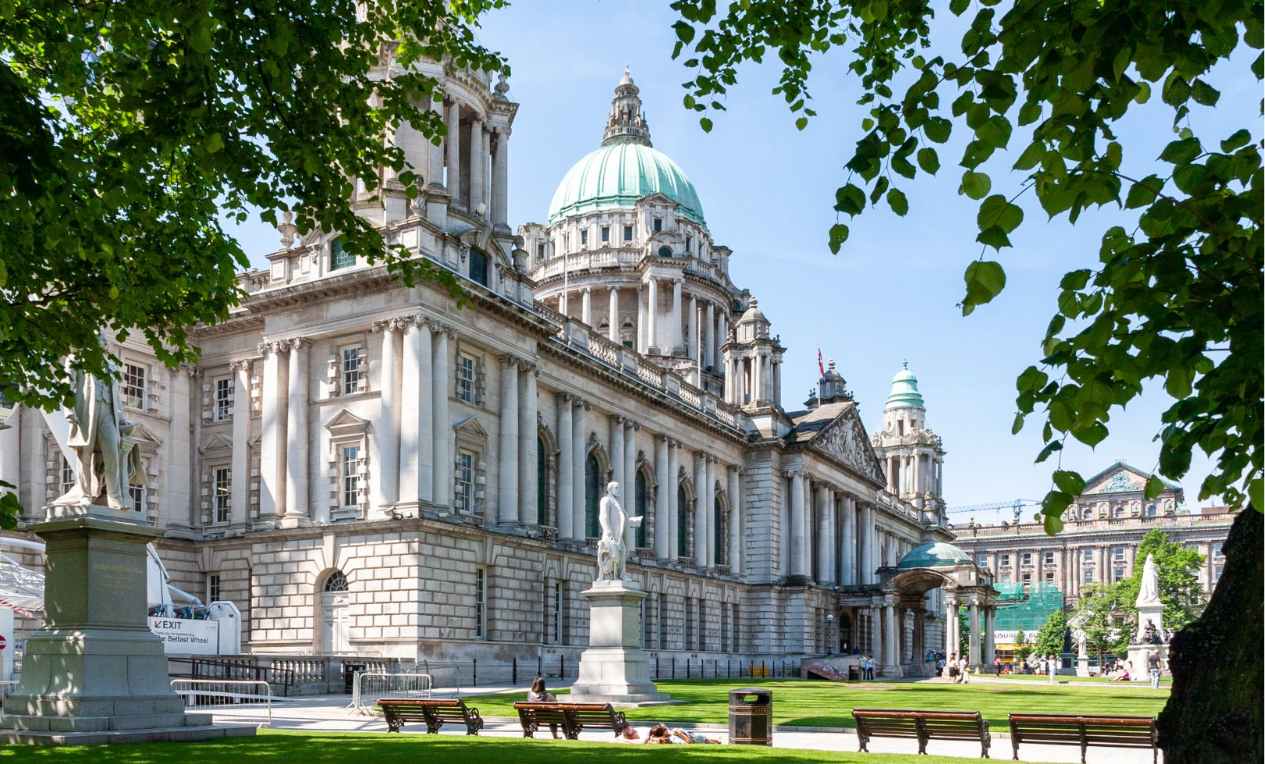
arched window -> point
(665, 252)
(683, 522)
(639, 506)
(478, 267)
(592, 495)
(542, 482)
(336, 582)
(722, 548)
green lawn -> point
(1146, 682)
(381, 748)
(829, 704)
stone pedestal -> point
(1140, 650)
(95, 673)
(614, 668)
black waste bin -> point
(349, 676)
(854, 673)
(751, 716)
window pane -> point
(338, 257)
(133, 387)
(478, 267)
(465, 378)
(223, 399)
(350, 476)
(223, 479)
(353, 371)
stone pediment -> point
(1119, 478)
(217, 442)
(845, 440)
(144, 436)
(346, 423)
(470, 425)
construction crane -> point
(1017, 505)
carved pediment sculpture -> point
(845, 440)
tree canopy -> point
(131, 127)
(1177, 294)
(1051, 635)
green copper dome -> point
(619, 174)
(938, 554)
(904, 392)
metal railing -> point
(370, 686)
(236, 698)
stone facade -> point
(365, 467)
(1100, 537)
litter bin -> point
(854, 673)
(349, 676)
(751, 716)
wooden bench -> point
(435, 713)
(1085, 730)
(572, 717)
(922, 726)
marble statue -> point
(107, 461)
(1150, 635)
(612, 553)
(1149, 590)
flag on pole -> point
(820, 368)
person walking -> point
(997, 663)
(1153, 666)
(1052, 663)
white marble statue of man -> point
(612, 554)
(98, 427)
(1149, 588)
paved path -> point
(329, 713)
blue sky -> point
(892, 292)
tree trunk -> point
(1215, 712)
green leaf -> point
(684, 32)
(996, 211)
(1018, 424)
(706, 124)
(1154, 487)
(896, 200)
(984, 280)
(1256, 493)
(1179, 381)
(938, 129)
(838, 235)
(1181, 152)
(928, 160)
(1069, 482)
(1237, 139)
(850, 200)
(1091, 434)
(956, 7)
(976, 185)
(801, 123)
(201, 40)
(213, 143)
(1203, 93)
(1143, 192)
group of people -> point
(959, 668)
(657, 734)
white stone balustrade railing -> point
(582, 261)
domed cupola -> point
(626, 121)
(904, 393)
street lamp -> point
(830, 634)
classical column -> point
(613, 335)
(891, 658)
(630, 474)
(797, 525)
(709, 502)
(272, 437)
(974, 657)
(700, 509)
(500, 177)
(441, 432)
(709, 338)
(528, 446)
(722, 335)
(735, 520)
(476, 164)
(617, 459)
(239, 488)
(694, 348)
(989, 648)
(849, 541)
(662, 524)
(642, 342)
(678, 341)
(579, 450)
(485, 168)
(825, 538)
(674, 496)
(950, 626)
(586, 306)
(566, 453)
(810, 531)
(452, 142)
(876, 633)
(652, 311)
(387, 429)
(435, 153)
(417, 446)
(507, 459)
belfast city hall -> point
(366, 468)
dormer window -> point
(478, 267)
(658, 225)
(665, 252)
(338, 257)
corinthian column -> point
(678, 341)
(613, 334)
(798, 558)
(500, 178)
(652, 312)
(272, 437)
(476, 164)
(507, 461)
(662, 525)
(387, 428)
(528, 447)
(452, 142)
(442, 432)
(296, 500)
(565, 468)
(238, 489)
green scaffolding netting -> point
(1025, 605)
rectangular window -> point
(349, 476)
(689, 243)
(1027, 558)
(1003, 559)
(67, 476)
(628, 233)
(465, 378)
(1026, 577)
(1089, 576)
(353, 370)
(1216, 550)
(643, 626)
(1119, 574)
(557, 612)
(338, 257)
(981, 560)
(480, 603)
(606, 234)
(1005, 578)
(1216, 572)
(1089, 555)
(1120, 511)
(1151, 510)
(1049, 575)
(736, 624)
(465, 482)
(137, 495)
(1049, 558)
(133, 387)
(540, 252)
(223, 399)
(584, 238)
(213, 587)
(658, 225)
(1118, 553)
(222, 479)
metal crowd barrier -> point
(239, 698)
(371, 686)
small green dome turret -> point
(904, 392)
(933, 555)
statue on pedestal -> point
(108, 460)
(612, 554)
(1149, 634)
(1149, 590)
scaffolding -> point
(1025, 606)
